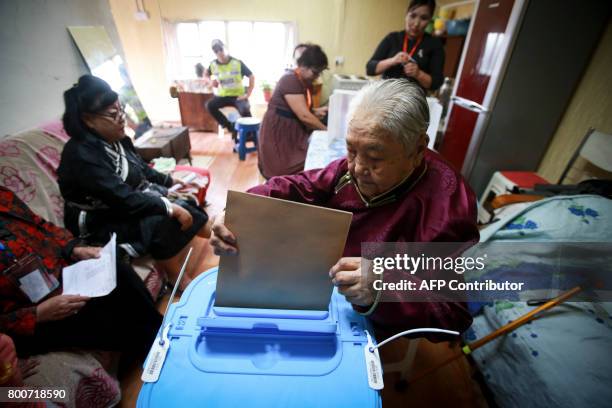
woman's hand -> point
(298, 105)
(320, 112)
(223, 240)
(59, 307)
(411, 69)
(401, 58)
(182, 216)
(356, 286)
(85, 252)
(383, 65)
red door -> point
(482, 53)
(461, 124)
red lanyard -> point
(416, 44)
(308, 94)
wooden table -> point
(193, 111)
(168, 142)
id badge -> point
(31, 277)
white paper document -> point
(93, 277)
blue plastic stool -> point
(233, 116)
(248, 129)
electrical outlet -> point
(339, 60)
(141, 15)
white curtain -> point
(172, 52)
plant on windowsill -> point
(266, 88)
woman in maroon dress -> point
(397, 190)
(290, 118)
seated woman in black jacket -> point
(107, 186)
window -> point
(265, 47)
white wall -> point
(38, 59)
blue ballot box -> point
(233, 357)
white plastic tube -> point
(411, 331)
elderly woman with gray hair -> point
(397, 190)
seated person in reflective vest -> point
(227, 73)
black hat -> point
(217, 45)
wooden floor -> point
(451, 385)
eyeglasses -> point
(316, 72)
(117, 114)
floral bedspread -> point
(563, 358)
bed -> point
(564, 358)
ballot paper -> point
(285, 252)
(93, 277)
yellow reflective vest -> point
(229, 76)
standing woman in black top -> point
(411, 53)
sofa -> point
(28, 166)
